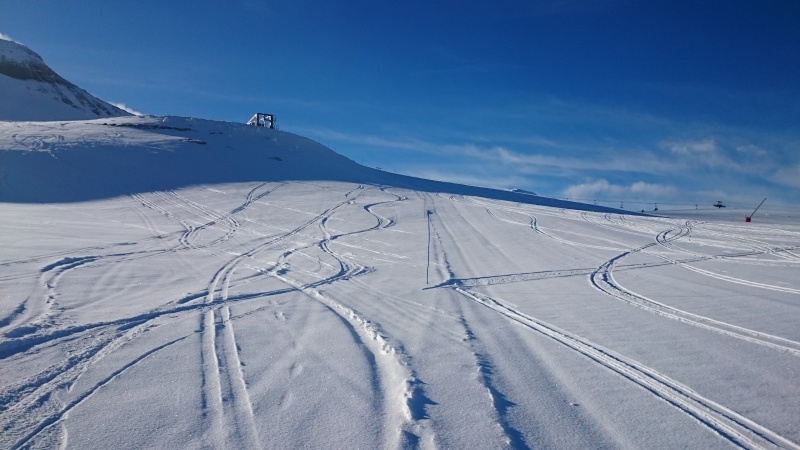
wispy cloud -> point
(497, 181)
(705, 152)
(580, 150)
(602, 188)
(787, 176)
(371, 140)
(559, 156)
(6, 37)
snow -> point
(30, 90)
(171, 282)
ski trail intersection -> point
(334, 314)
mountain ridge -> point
(60, 144)
(73, 161)
(33, 91)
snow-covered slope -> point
(117, 154)
(30, 90)
(82, 160)
(331, 314)
(169, 282)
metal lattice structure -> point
(262, 119)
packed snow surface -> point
(175, 283)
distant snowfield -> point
(253, 290)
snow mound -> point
(58, 143)
(69, 161)
(84, 160)
(33, 91)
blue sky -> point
(679, 102)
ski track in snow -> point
(328, 248)
(36, 392)
(395, 378)
(738, 429)
(602, 278)
(483, 362)
(220, 385)
(89, 345)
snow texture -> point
(30, 90)
(170, 282)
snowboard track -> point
(225, 396)
(728, 424)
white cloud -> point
(693, 148)
(750, 150)
(6, 37)
(472, 179)
(652, 190)
(788, 176)
(601, 188)
(706, 152)
(676, 169)
(125, 107)
(583, 157)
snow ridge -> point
(31, 90)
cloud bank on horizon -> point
(621, 101)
